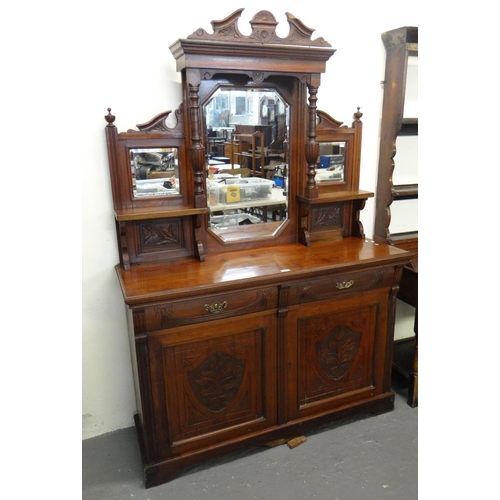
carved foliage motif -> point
(217, 380)
(263, 30)
(264, 27)
(258, 76)
(159, 234)
(327, 217)
(337, 352)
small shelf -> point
(407, 241)
(405, 192)
(150, 214)
(334, 197)
(410, 235)
(409, 126)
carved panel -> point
(214, 384)
(216, 381)
(337, 352)
(157, 236)
(330, 216)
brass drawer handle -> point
(216, 307)
(344, 284)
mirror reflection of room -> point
(155, 171)
(331, 161)
(247, 160)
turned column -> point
(196, 150)
(312, 147)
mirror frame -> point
(297, 60)
(293, 93)
(325, 169)
(228, 83)
(331, 130)
(151, 135)
(139, 166)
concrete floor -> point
(369, 457)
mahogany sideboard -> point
(245, 328)
(257, 345)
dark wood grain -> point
(399, 44)
(235, 270)
(237, 344)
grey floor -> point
(369, 457)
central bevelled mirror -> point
(247, 186)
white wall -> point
(125, 63)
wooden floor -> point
(363, 458)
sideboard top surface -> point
(150, 283)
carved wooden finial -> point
(110, 118)
(263, 27)
(358, 115)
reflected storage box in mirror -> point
(235, 190)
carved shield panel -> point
(217, 380)
(337, 352)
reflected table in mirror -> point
(331, 160)
(267, 212)
(155, 171)
(275, 204)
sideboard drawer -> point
(340, 284)
(210, 307)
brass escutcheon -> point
(344, 284)
(216, 307)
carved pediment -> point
(159, 124)
(326, 122)
(263, 31)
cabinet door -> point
(335, 353)
(213, 382)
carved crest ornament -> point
(263, 30)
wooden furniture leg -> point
(413, 379)
(406, 350)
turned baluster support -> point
(196, 150)
(312, 147)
